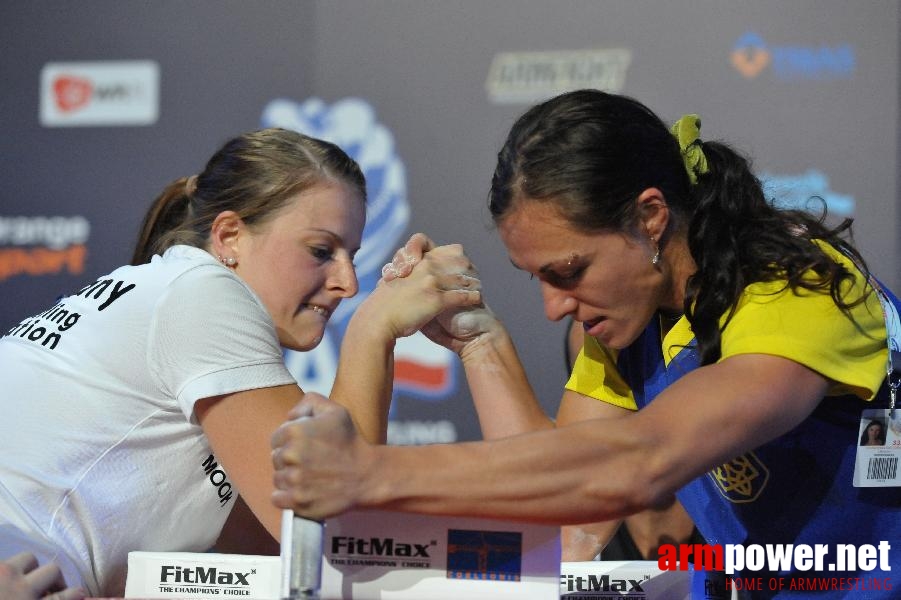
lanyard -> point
(893, 339)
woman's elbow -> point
(632, 486)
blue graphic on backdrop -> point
(751, 55)
(807, 191)
(422, 369)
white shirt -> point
(100, 452)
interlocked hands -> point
(440, 281)
(457, 327)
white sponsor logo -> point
(55, 232)
(527, 77)
(43, 245)
(412, 433)
(100, 93)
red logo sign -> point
(71, 93)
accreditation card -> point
(878, 449)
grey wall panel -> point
(218, 63)
(809, 89)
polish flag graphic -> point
(423, 367)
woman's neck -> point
(678, 267)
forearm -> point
(587, 471)
(587, 540)
(441, 282)
(503, 397)
(605, 469)
(546, 476)
(365, 376)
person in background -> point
(22, 579)
(731, 348)
(636, 537)
(139, 407)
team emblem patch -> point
(742, 479)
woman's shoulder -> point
(203, 281)
(844, 340)
(856, 290)
(195, 272)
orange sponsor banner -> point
(42, 261)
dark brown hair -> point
(590, 154)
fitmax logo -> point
(593, 583)
(375, 546)
(212, 575)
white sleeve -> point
(210, 336)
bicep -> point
(238, 427)
(720, 411)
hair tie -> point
(190, 186)
(687, 131)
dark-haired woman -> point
(873, 434)
(137, 408)
(731, 348)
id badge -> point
(878, 449)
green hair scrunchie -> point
(687, 131)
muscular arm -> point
(238, 427)
(441, 282)
(648, 528)
(587, 471)
(596, 470)
(500, 390)
(365, 375)
(502, 395)
(586, 540)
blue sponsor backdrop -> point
(104, 102)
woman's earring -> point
(228, 261)
(656, 258)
